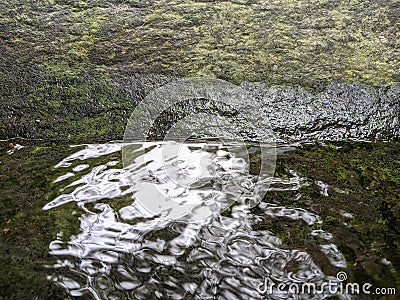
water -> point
(181, 227)
(209, 218)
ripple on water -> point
(138, 251)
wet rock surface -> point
(340, 112)
(91, 109)
(74, 71)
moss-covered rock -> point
(26, 230)
(296, 42)
(64, 64)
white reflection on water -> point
(133, 252)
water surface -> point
(185, 229)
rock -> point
(80, 68)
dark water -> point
(181, 227)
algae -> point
(363, 182)
(63, 61)
(278, 42)
(26, 229)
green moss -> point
(88, 24)
(310, 43)
(82, 107)
(65, 58)
(29, 229)
(341, 174)
(329, 220)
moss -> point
(329, 220)
(88, 26)
(68, 57)
(82, 108)
(24, 245)
(278, 42)
(341, 174)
